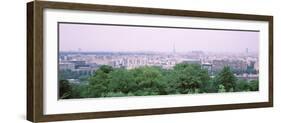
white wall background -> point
(13, 61)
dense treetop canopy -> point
(143, 81)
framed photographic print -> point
(96, 61)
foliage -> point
(227, 79)
(188, 78)
(254, 85)
(221, 88)
(242, 85)
(143, 81)
(64, 89)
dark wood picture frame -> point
(35, 60)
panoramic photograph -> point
(108, 60)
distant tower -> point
(174, 48)
(247, 50)
(79, 52)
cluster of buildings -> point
(243, 65)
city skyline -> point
(102, 61)
(112, 38)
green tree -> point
(105, 68)
(242, 85)
(121, 81)
(182, 79)
(226, 78)
(149, 81)
(64, 89)
(221, 89)
(254, 85)
(79, 91)
(99, 82)
(190, 78)
(210, 86)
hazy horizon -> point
(112, 38)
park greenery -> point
(143, 81)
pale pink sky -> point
(128, 38)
